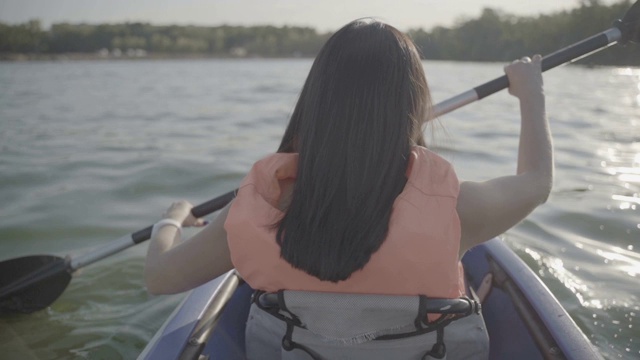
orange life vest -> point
(418, 257)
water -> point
(90, 151)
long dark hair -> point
(361, 109)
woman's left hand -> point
(181, 211)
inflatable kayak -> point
(524, 320)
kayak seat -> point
(317, 325)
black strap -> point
(275, 310)
(289, 345)
(422, 313)
(291, 320)
(439, 349)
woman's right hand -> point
(525, 77)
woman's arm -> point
(174, 266)
(489, 208)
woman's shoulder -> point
(276, 166)
(431, 173)
(428, 160)
(267, 174)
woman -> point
(353, 202)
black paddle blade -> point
(629, 25)
(32, 283)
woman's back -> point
(359, 113)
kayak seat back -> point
(318, 325)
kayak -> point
(523, 318)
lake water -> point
(90, 151)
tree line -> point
(493, 36)
(496, 36)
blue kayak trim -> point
(570, 340)
(172, 337)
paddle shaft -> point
(144, 234)
(562, 56)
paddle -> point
(34, 282)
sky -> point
(323, 15)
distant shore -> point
(20, 57)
